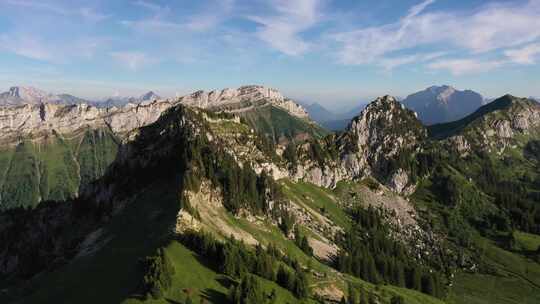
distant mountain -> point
(119, 101)
(319, 113)
(29, 95)
(19, 95)
(439, 104)
(70, 99)
(342, 120)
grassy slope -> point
(516, 278)
(96, 151)
(55, 168)
(513, 271)
(314, 197)
(112, 274)
(276, 123)
(21, 182)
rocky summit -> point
(233, 100)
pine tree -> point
(301, 286)
(363, 297)
(428, 286)
(352, 297)
(397, 300)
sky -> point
(336, 53)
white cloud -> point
(389, 63)
(133, 60)
(491, 27)
(525, 55)
(26, 46)
(464, 66)
(282, 30)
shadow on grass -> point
(225, 281)
(214, 296)
(171, 301)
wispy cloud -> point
(87, 13)
(212, 16)
(161, 20)
(38, 48)
(26, 46)
(492, 27)
(465, 66)
(282, 31)
(134, 60)
(366, 45)
(153, 7)
(390, 63)
(524, 55)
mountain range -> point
(19, 95)
(436, 104)
(237, 196)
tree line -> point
(369, 253)
(235, 259)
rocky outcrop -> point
(506, 122)
(242, 98)
(35, 120)
(378, 138)
(374, 144)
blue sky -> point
(333, 52)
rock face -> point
(241, 99)
(439, 104)
(374, 144)
(36, 120)
(375, 140)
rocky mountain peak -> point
(29, 95)
(149, 96)
(384, 130)
(438, 104)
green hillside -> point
(277, 123)
(54, 168)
